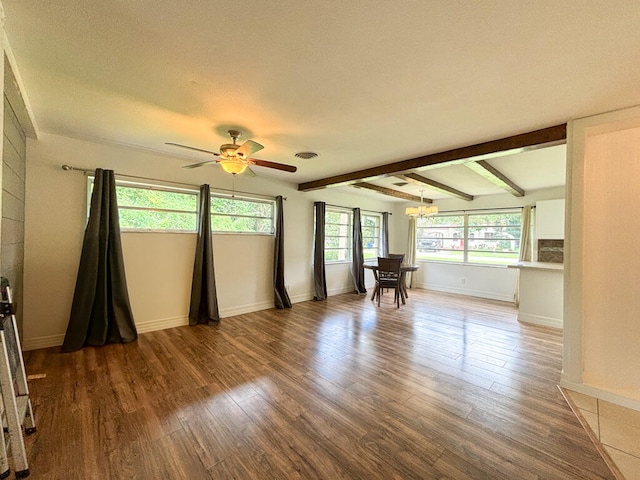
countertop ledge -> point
(555, 267)
(558, 267)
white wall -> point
(602, 331)
(158, 265)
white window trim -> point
(247, 198)
(349, 237)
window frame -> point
(468, 238)
(349, 237)
(189, 191)
(377, 238)
(244, 198)
(151, 187)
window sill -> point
(466, 264)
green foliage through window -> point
(370, 225)
(144, 207)
(337, 235)
(241, 215)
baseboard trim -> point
(37, 343)
(254, 307)
(153, 325)
(540, 320)
(161, 324)
(631, 403)
(462, 291)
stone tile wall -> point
(551, 251)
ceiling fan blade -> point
(200, 164)
(248, 148)
(277, 166)
(250, 173)
(192, 148)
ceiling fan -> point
(235, 158)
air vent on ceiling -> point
(401, 184)
(306, 155)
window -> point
(370, 235)
(142, 207)
(242, 215)
(337, 235)
(482, 238)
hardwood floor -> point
(444, 387)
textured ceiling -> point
(362, 83)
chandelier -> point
(421, 210)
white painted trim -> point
(540, 320)
(161, 324)
(302, 297)
(631, 403)
(254, 307)
(36, 343)
(338, 291)
(462, 291)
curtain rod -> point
(87, 171)
(351, 208)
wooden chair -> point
(402, 280)
(388, 277)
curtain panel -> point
(101, 311)
(384, 241)
(357, 264)
(319, 275)
(281, 297)
(525, 247)
(204, 298)
(412, 252)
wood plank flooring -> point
(444, 387)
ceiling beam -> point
(391, 192)
(505, 146)
(482, 168)
(440, 187)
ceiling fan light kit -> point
(233, 165)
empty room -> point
(337, 240)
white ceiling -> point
(362, 83)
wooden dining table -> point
(404, 268)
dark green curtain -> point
(204, 298)
(319, 276)
(357, 264)
(100, 311)
(281, 297)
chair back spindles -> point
(388, 277)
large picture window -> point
(491, 237)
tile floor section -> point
(616, 428)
